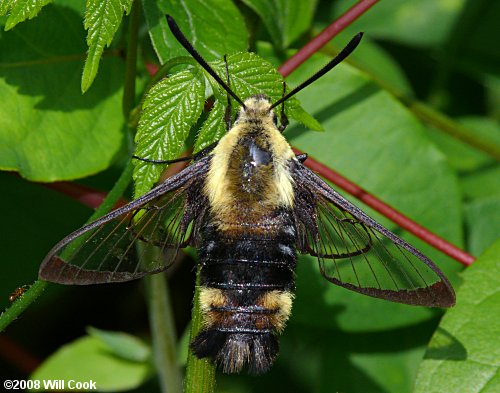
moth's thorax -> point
(250, 168)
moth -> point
(249, 206)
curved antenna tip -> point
(348, 49)
(357, 37)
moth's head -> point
(257, 108)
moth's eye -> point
(275, 119)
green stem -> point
(165, 68)
(163, 334)
(131, 60)
(200, 373)
(22, 303)
(451, 127)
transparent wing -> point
(106, 250)
(357, 253)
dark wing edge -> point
(322, 203)
(119, 226)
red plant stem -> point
(389, 212)
(85, 195)
(325, 36)
(152, 68)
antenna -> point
(349, 48)
(174, 28)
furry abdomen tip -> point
(232, 352)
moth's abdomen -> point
(246, 295)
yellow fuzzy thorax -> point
(225, 196)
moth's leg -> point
(301, 157)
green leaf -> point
(213, 128)
(20, 10)
(102, 19)
(420, 23)
(296, 112)
(483, 222)
(5, 6)
(48, 130)
(482, 183)
(372, 140)
(89, 358)
(214, 28)
(464, 354)
(285, 20)
(121, 344)
(249, 74)
(170, 109)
